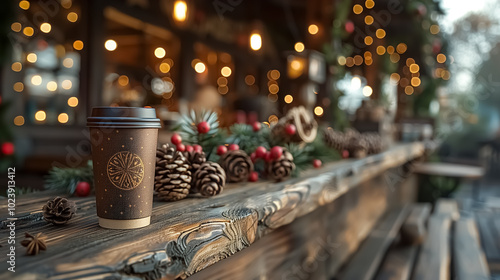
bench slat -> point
(469, 259)
(398, 263)
(434, 259)
(365, 262)
(447, 207)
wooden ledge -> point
(186, 236)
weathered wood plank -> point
(434, 258)
(398, 263)
(190, 235)
(365, 262)
(489, 232)
(414, 229)
(447, 207)
(469, 259)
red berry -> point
(82, 189)
(317, 163)
(7, 148)
(234, 147)
(268, 157)
(203, 127)
(254, 177)
(349, 26)
(189, 148)
(290, 129)
(256, 126)
(260, 152)
(181, 147)
(221, 150)
(253, 157)
(345, 154)
(176, 139)
(276, 152)
(197, 148)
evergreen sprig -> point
(66, 179)
(247, 139)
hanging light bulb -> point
(180, 11)
(255, 41)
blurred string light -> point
(394, 57)
(394, 78)
(72, 101)
(255, 41)
(380, 50)
(434, 29)
(369, 20)
(36, 80)
(221, 81)
(274, 89)
(16, 66)
(272, 97)
(16, 27)
(401, 48)
(24, 5)
(367, 91)
(225, 71)
(45, 27)
(66, 4)
(31, 57)
(40, 116)
(78, 45)
(409, 90)
(63, 118)
(415, 81)
(19, 120)
(200, 67)
(390, 49)
(368, 40)
(164, 67)
(288, 99)
(358, 60)
(357, 9)
(318, 111)
(355, 82)
(273, 119)
(369, 4)
(299, 47)
(249, 80)
(110, 45)
(275, 74)
(341, 60)
(72, 17)
(349, 61)
(414, 68)
(28, 31)
(18, 87)
(441, 58)
(123, 80)
(52, 86)
(68, 62)
(223, 90)
(160, 52)
(180, 11)
(380, 33)
(66, 84)
(313, 29)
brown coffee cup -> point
(124, 141)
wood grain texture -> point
(186, 236)
(447, 207)
(469, 259)
(434, 258)
(414, 228)
(366, 261)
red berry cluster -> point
(176, 139)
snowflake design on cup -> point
(125, 170)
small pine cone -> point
(195, 159)
(58, 211)
(335, 139)
(374, 142)
(282, 168)
(209, 179)
(172, 175)
(358, 147)
(237, 165)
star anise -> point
(34, 243)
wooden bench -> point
(419, 246)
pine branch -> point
(66, 179)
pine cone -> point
(335, 139)
(237, 165)
(172, 175)
(282, 168)
(34, 243)
(358, 147)
(195, 159)
(58, 210)
(209, 179)
(374, 142)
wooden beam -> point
(367, 259)
(447, 207)
(398, 263)
(469, 259)
(434, 259)
(414, 228)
